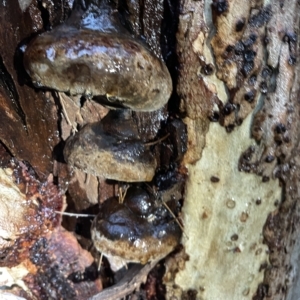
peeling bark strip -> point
(195, 93)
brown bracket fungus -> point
(112, 149)
(138, 230)
(93, 63)
(100, 153)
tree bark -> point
(235, 70)
(241, 204)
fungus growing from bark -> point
(111, 149)
(138, 230)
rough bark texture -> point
(38, 257)
(245, 53)
(28, 118)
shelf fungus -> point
(94, 63)
(113, 68)
(140, 229)
(100, 152)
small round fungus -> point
(120, 231)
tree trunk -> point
(235, 67)
(241, 209)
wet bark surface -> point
(28, 118)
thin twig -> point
(74, 214)
(130, 282)
(65, 112)
(173, 215)
(157, 141)
(122, 194)
(100, 261)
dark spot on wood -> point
(290, 37)
(249, 55)
(247, 68)
(263, 266)
(228, 108)
(258, 202)
(269, 158)
(189, 295)
(214, 117)
(239, 121)
(292, 60)
(250, 41)
(214, 179)
(239, 48)
(204, 215)
(280, 128)
(234, 237)
(244, 217)
(245, 163)
(286, 139)
(249, 97)
(266, 40)
(261, 292)
(229, 48)
(220, 6)
(265, 178)
(253, 37)
(239, 25)
(229, 128)
(263, 87)
(266, 72)
(261, 18)
(207, 69)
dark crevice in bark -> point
(45, 16)
(7, 83)
(168, 46)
